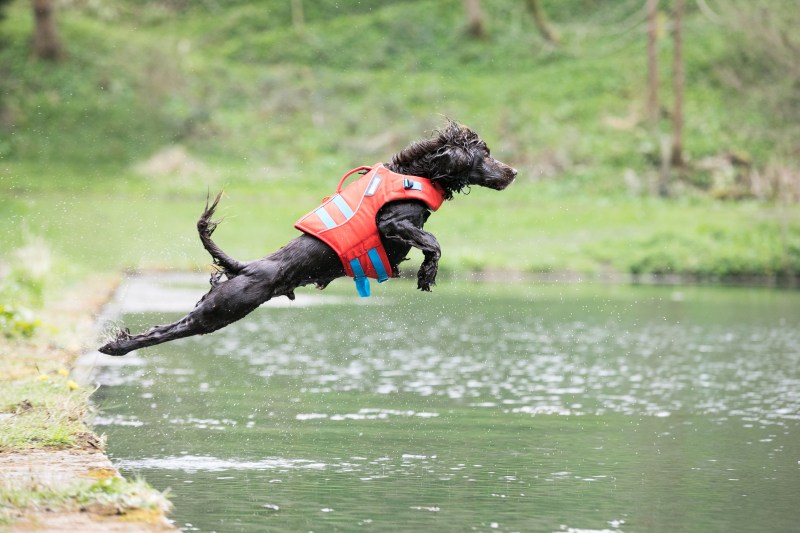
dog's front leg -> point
(407, 232)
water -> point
(479, 407)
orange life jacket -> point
(347, 222)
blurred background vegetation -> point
(117, 117)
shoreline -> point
(72, 486)
(620, 278)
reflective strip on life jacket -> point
(328, 219)
(343, 207)
(325, 218)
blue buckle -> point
(412, 185)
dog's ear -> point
(453, 161)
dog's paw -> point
(118, 345)
(112, 348)
(426, 277)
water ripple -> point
(656, 369)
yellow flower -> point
(43, 377)
(72, 385)
(63, 371)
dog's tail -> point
(205, 227)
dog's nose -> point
(513, 172)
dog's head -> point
(455, 158)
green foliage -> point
(3, 5)
(18, 322)
(237, 82)
(23, 275)
(767, 62)
(274, 114)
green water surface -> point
(475, 408)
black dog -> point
(454, 159)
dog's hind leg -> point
(224, 304)
(124, 342)
(205, 227)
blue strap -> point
(362, 286)
(362, 283)
(377, 264)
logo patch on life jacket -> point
(373, 185)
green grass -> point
(238, 84)
(42, 411)
(274, 117)
(549, 232)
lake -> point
(480, 407)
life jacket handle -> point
(341, 182)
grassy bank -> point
(110, 496)
(42, 404)
(49, 454)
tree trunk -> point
(298, 17)
(475, 21)
(46, 44)
(652, 62)
(678, 82)
(542, 24)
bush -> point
(22, 287)
(17, 322)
